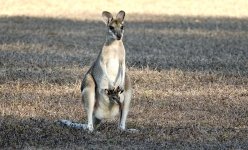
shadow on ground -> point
(41, 133)
(163, 42)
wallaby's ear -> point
(107, 17)
(120, 16)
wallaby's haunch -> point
(106, 88)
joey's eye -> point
(111, 27)
(122, 27)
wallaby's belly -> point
(104, 112)
(112, 68)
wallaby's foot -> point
(90, 128)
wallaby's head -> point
(115, 26)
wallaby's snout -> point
(118, 36)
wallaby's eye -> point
(111, 28)
(122, 27)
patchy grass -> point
(189, 77)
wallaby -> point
(107, 81)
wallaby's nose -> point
(118, 36)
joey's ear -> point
(118, 89)
(120, 16)
(107, 17)
(121, 91)
(106, 91)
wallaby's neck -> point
(112, 41)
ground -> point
(189, 75)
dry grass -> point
(189, 77)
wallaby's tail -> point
(71, 124)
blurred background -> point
(78, 8)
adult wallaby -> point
(107, 73)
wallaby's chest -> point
(113, 57)
(113, 67)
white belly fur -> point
(103, 111)
(106, 113)
(112, 68)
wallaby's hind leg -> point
(126, 103)
(88, 98)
